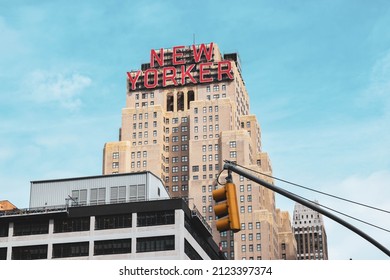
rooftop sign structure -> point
(179, 66)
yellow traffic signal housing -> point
(228, 208)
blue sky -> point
(317, 72)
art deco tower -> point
(186, 111)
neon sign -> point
(179, 72)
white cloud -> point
(47, 87)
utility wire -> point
(320, 192)
(341, 213)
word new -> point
(171, 75)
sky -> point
(317, 74)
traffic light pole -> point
(233, 167)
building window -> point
(158, 243)
(71, 224)
(232, 144)
(4, 227)
(243, 248)
(29, 252)
(3, 253)
(137, 192)
(31, 227)
(147, 219)
(67, 250)
(258, 236)
(115, 155)
(233, 154)
(109, 247)
(113, 221)
(175, 188)
(118, 194)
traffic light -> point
(227, 207)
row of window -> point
(175, 129)
(184, 178)
(250, 236)
(144, 104)
(145, 134)
(145, 125)
(175, 188)
(210, 118)
(145, 95)
(215, 88)
(61, 225)
(175, 148)
(118, 194)
(176, 120)
(195, 168)
(204, 109)
(204, 177)
(204, 129)
(250, 248)
(175, 159)
(144, 116)
(101, 247)
(242, 188)
(146, 142)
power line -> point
(346, 215)
(320, 192)
(339, 212)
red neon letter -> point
(167, 77)
(226, 71)
(187, 74)
(146, 78)
(133, 80)
(203, 72)
(177, 56)
(154, 56)
(202, 48)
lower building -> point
(117, 216)
(161, 229)
(310, 234)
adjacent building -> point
(123, 216)
(187, 110)
(310, 234)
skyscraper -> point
(187, 110)
(310, 234)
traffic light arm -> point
(233, 167)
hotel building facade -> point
(186, 111)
